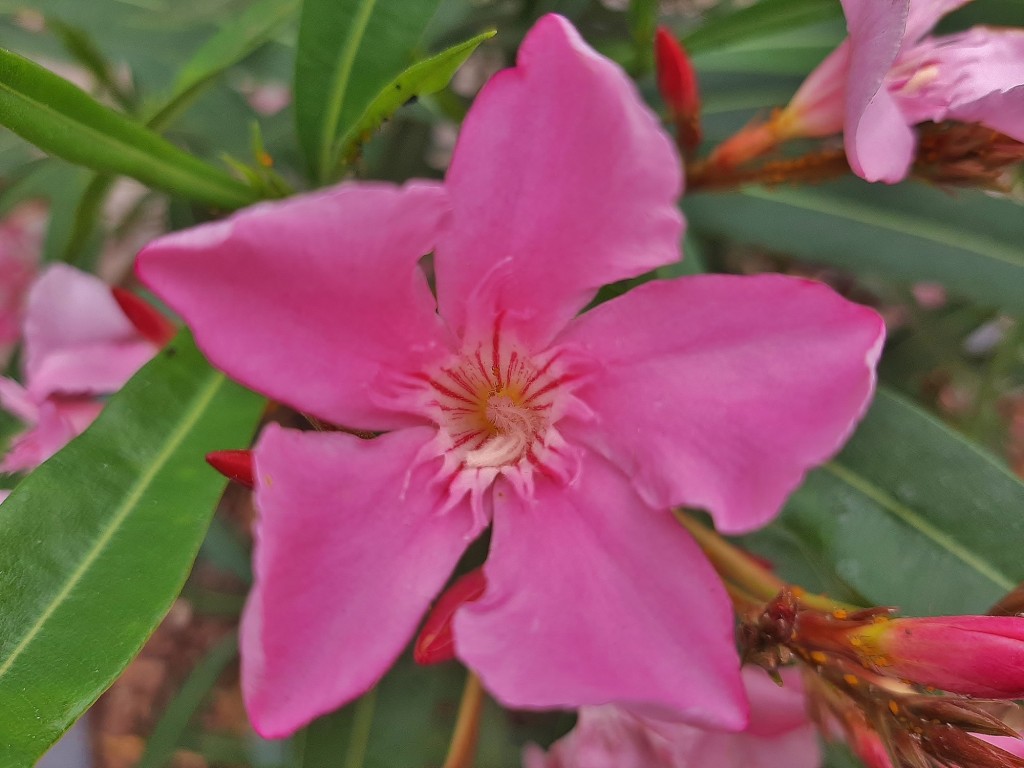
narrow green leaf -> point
(913, 514)
(231, 44)
(99, 540)
(84, 50)
(969, 241)
(167, 734)
(63, 120)
(760, 20)
(349, 50)
(422, 78)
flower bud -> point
(677, 83)
(148, 321)
(971, 655)
(234, 465)
(435, 642)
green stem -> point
(462, 750)
(744, 577)
(355, 755)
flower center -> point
(496, 403)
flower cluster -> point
(904, 692)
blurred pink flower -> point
(573, 436)
(78, 345)
(779, 733)
(21, 234)
(890, 75)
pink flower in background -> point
(779, 734)
(571, 436)
(78, 345)
(21, 235)
(890, 75)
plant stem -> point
(732, 564)
(745, 578)
(462, 750)
(359, 739)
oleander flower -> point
(779, 733)
(78, 347)
(570, 435)
(890, 75)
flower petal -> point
(879, 143)
(56, 425)
(350, 551)
(17, 401)
(925, 14)
(562, 181)
(315, 301)
(77, 339)
(592, 597)
(975, 77)
(720, 392)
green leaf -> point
(969, 241)
(760, 20)
(166, 736)
(913, 514)
(231, 44)
(349, 50)
(422, 78)
(63, 120)
(99, 540)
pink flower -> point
(779, 733)
(571, 436)
(20, 246)
(889, 75)
(78, 345)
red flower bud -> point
(148, 321)
(677, 83)
(970, 655)
(234, 465)
(435, 642)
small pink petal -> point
(4, 493)
(316, 301)
(17, 401)
(38, 443)
(780, 734)
(608, 736)
(590, 596)
(77, 340)
(351, 548)
(1005, 743)
(720, 392)
(976, 77)
(925, 14)
(818, 107)
(562, 181)
(879, 144)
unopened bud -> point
(148, 321)
(970, 655)
(234, 465)
(677, 83)
(436, 643)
